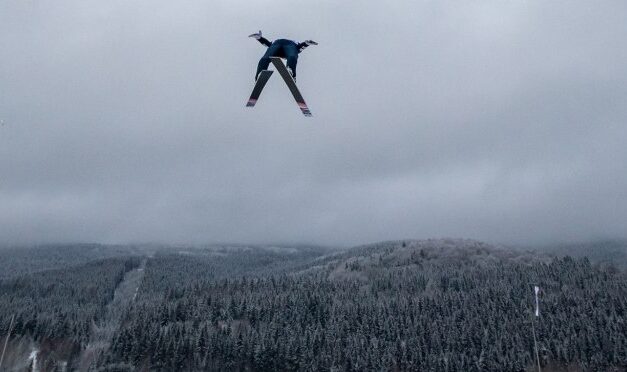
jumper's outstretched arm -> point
(257, 36)
(305, 44)
(265, 41)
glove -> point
(308, 42)
(257, 36)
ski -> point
(291, 84)
(261, 82)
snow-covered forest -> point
(431, 305)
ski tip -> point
(251, 102)
(303, 107)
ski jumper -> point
(283, 48)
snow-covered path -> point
(103, 331)
(32, 358)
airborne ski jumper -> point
(281, 48)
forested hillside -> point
(55, 310)
(435, 305)
(439, 305)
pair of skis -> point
(264, 76)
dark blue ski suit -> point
(283, 48)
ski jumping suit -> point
(283, 48)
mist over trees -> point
(441, 305)
(17, 260)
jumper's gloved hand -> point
(257, 36)
(308, 42)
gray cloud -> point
(502, 121)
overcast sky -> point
(124, 121)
